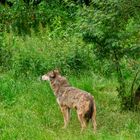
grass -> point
(28, 111)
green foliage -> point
(78, 60)
(95, 47)
(26, 64)
(5, 58)
(22, 18)
(35, 55)
(113, 33)
(110, 27)
(5, 54)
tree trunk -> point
(122, 88)
(133, 94)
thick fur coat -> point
(70, 97)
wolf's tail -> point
(91, 113)
(94, 116)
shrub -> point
(5, 54)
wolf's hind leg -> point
(82, 120)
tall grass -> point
(39, 53)
(28, 110)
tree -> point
(113, 29)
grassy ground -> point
(28, 111)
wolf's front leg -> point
(66, 115)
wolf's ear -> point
(56, 72)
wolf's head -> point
(51, 75)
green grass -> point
(28, 111)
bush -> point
(5, 54)
(78, 60)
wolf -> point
(69, 97)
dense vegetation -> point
(96, 44)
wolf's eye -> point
(52, 76)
